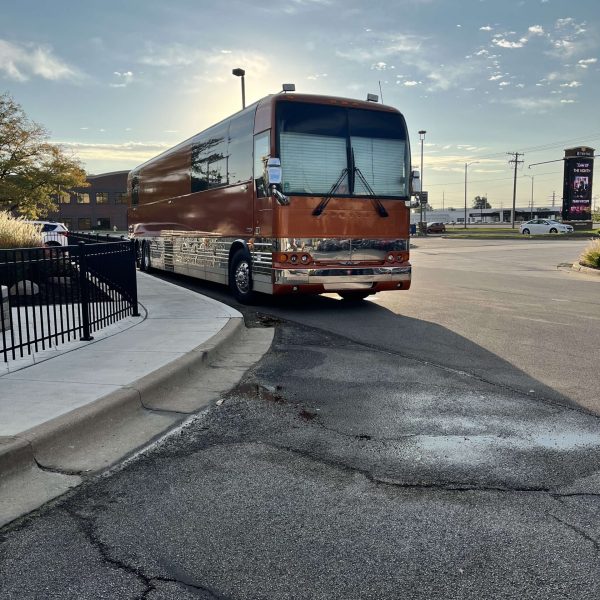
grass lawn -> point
(500, 232)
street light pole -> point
(466, 166)
(531, 205)
(241, 73)
(422, 133)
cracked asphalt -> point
(309, 481)
(382, 469)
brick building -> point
(101, 206)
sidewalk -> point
(70, 412)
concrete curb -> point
(52, 443)
(45, 461)
(586, 270)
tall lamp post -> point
(241, 73)
(474, 162)
(531, 205)
(422, 133)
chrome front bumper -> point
(337, 277)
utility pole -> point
(517, 162)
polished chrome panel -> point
(206, 256)
(337, 276)
(336, 250)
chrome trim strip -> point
(334, 276)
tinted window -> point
(135, 190)
(239, 150)
(48, 227)
(262, 149)
(209, 162)
(314, 119)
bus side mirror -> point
(415, 182)
(274, 171)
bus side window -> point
(135, 190)
(261, 153)
(208, 168)
(239, 149)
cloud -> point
(526, 104)
(485, 28)
(411, 83)
(536, 30)
(21, 62)
(584, 63)
(379, 66)
(571, 84)
(504, 43)
(131, 152)
(123, 79)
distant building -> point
(101, 206)
(486, 215)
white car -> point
(540, 226)
(53, 234)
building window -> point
(68, 223)
(64, 198)
(103, 223)
(84, 223)
(101, 197)
(121, 198)
(82, 198)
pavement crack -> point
(444, 486)
(578, 530)
(210, 593)
(87, 527)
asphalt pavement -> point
(75, 410)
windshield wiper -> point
(380, 208)
(321, 207)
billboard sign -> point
(577, 186)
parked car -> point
(53, 234)
(540, 226)
(436, 228)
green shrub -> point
(590, 257)
(16, 233)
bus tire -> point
(145, 261)
(354, 296)
(240, 277)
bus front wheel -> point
(354, 296)
(240, 277)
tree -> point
(33, 172)
(481, 202)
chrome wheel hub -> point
(242, 277)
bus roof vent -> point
(288, 87)
(372, 98)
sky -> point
(117, 82)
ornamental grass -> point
(590, 257)
(15, 232)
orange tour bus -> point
(295, 194)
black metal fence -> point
(56, 294)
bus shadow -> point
(370, 324)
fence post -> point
(136, 309)
(84, 294)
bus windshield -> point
(363, 151)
